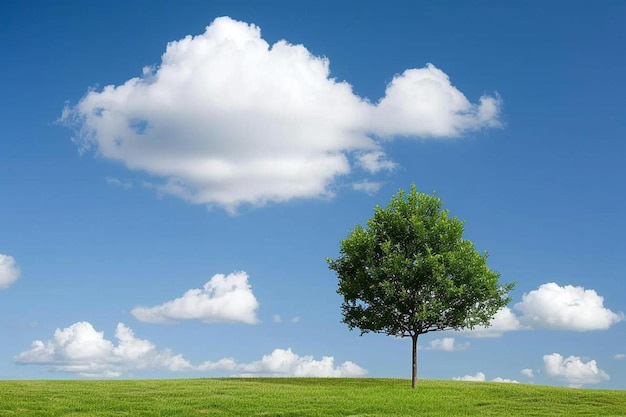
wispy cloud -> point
(127, 185)
(375, 161)
(447, 344)
(368, 187)
(278, 319)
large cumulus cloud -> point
(228, 119)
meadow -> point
(300, 397)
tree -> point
(410, 272)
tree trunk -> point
(414, 367)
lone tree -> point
(410, 272)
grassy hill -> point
(300, 397)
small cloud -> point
(127, 185)
(224, 298)
(9, 271)
(527, 372)
(375, 161)
(573, 370)
(447, 344)
(278, 319)
(505, 380)
(503, 321)
(479, 377)
(620, 356)
(368, 187)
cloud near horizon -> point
(227, 119)
(9, 271)
(81, 350)
(284, 362)
(224, 298)
(480, 377)
(573, 370)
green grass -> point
(300, 397)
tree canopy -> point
(410, 272)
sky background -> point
(169, 193)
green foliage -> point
(299, 397)
(410, 272)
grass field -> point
(300, 397)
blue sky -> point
(174, 176)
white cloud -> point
(375, 161)
(479, 377)
(620, 356)
(224, 298)
(527, 372)
(284, 362)
(503, 321)
(552, 307)
(81, 350)
(127, 185)
(447, 344)
(278, 319)
(9, 271)
(227, 119)
(422, 102)
(566, 308)
(573, 370)
(505, 380)
(368, 187)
